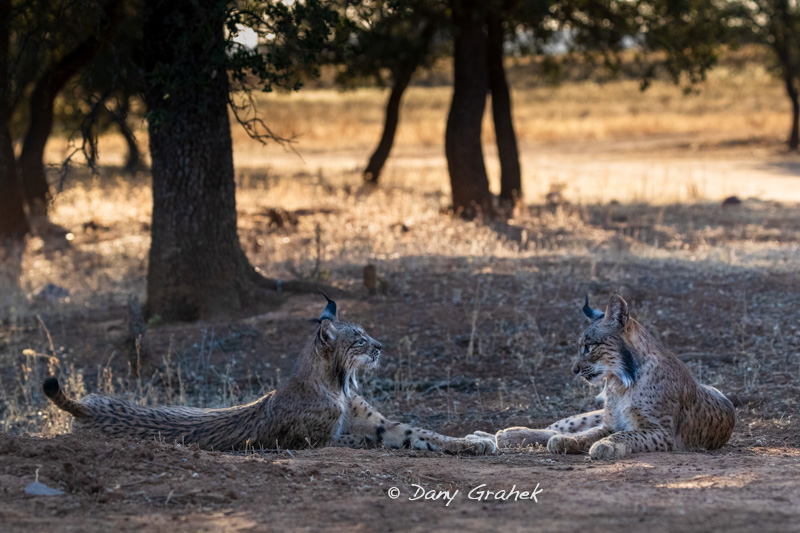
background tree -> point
(65, 62)
(469, 181)
(44, 44)
(776, 25)
(388, 43)
(104, 97)
(13, 222)
(686, 33)
(506, 138)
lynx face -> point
(355, 348)
(603, 351)
(347, 347)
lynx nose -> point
(378, 345)
(576, 369)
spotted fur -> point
(652, 403)
(318, 406)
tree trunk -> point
(402, 77)
(510, 174)
(31, 159)
(197, 267)
(381, 154)
(134, 160)
(468, 179)
(794, 138)
(13, 223)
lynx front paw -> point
(473, 445)
(514, 438)
(606, 450)
(487, 440)
(563, 444)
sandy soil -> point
(659, 169)
(158, 487)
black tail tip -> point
(50, 387)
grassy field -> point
(479, 319)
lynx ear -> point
(326, 334)
(618, 309)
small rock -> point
(52, 293)
(731, 200)
(40, 489)
(554, 198)
(93, 225)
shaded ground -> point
(479, 324)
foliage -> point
(42, 33)
(391, 36)
(774, 23)
(685, 32)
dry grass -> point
(750, 102)
(604, 141)
(739, 100)
(467, 299)
(492, 270)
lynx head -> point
(604, 352)
(345, 347)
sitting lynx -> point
(317, 407)
(652, 403)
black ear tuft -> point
(593, 314)
(330, 312)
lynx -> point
(318, 406)
(652, 403)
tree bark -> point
(468, 179)
(31, 159)
(794, 137)
(510, 173)
(381, 154)
(13, 222)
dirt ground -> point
(158, 487)
(479, 323)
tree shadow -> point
(790, 168)
(13, 295)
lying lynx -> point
(652, 403)
(318, 406)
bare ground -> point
(479, 322)
(153, 486)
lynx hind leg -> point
(618, 445)
(519, 437)
(352, 441)
(578, 423)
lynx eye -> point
(589, 348)
(361, 342)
